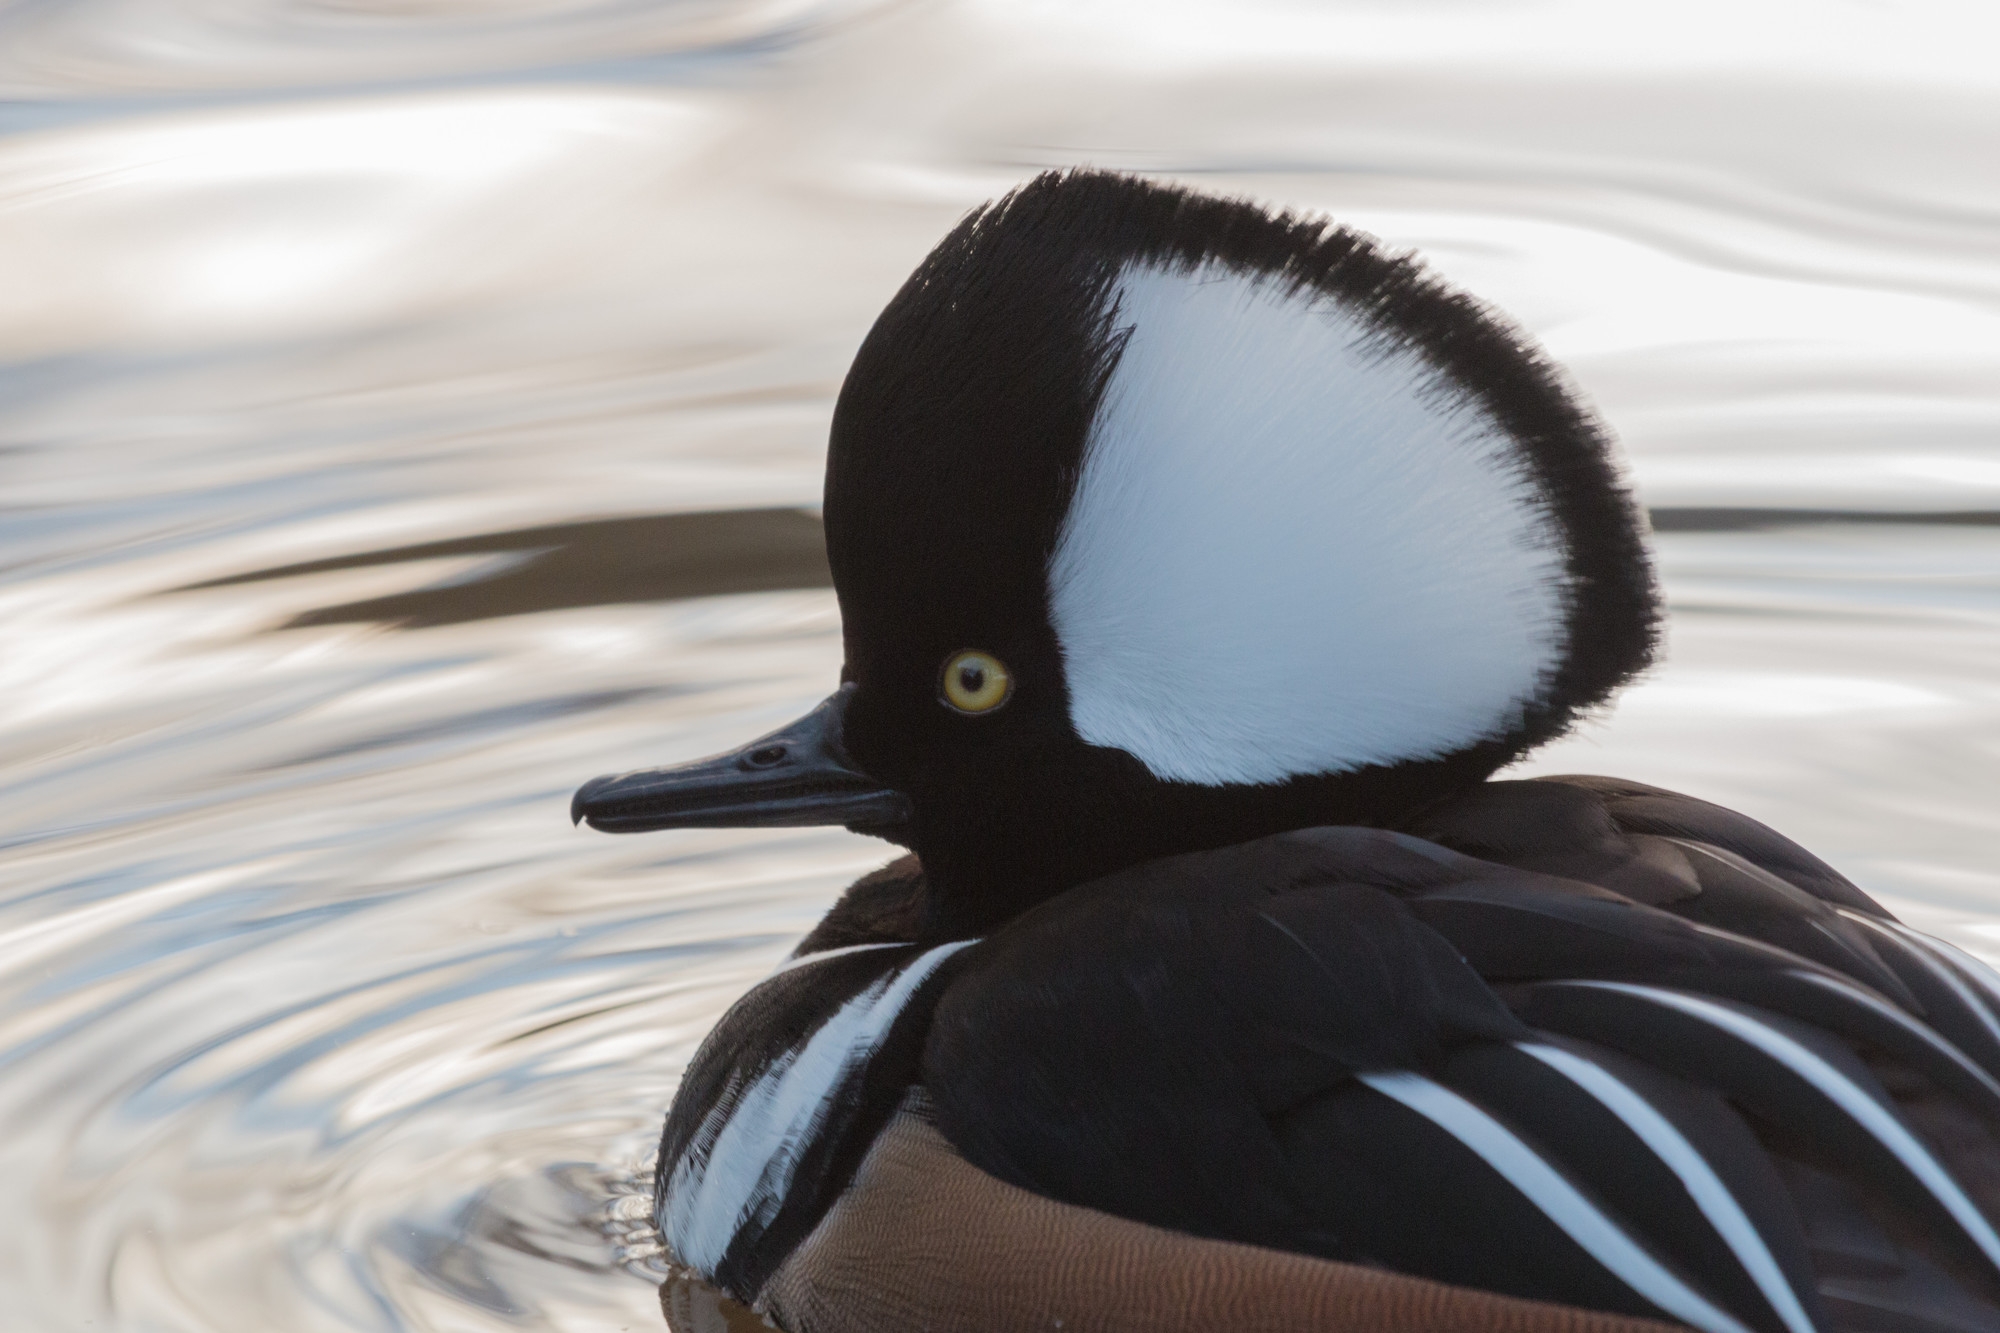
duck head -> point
(1160, 522)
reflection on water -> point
(411, 410)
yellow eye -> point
(975, 682)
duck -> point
(1200, 565)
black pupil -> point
(972, 679)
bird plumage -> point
(1260, 551)
(1362, 1045)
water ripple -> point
(407, 413)
(151, 51)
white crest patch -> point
(1294, 547)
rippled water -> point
(413, 409)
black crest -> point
(957, 442)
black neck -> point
(982, 874)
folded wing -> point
(1655, 1060)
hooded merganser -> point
(1199, 565)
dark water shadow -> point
(1674, 519)
(692, 1306)
(652, 558)
(666, 557)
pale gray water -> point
(318, 1015)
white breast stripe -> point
(1860, 1107)
(1710, 1195)
(752, 1155)
(1294, 546)
(1600, 1237)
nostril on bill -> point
(766, 757)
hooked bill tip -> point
(579, 802)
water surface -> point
(413, 409)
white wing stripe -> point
(1546, 1188)
(1954, 967)
(1860, 1107)
(1977, 969)
(1710, 1195)
(824, 955)
(1869, 999)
